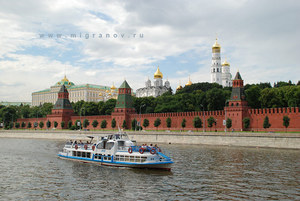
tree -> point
(62, 124)
(246, 122)
(210, 121)
(183, 123)
(124, 125)
(103, 124)
(23, 124)
(55, 124)
(197, 122)
(29, 125)
(266, 123)
(216, 99)
(228, 123)
(146, 123)
(17, 125)
(95, 123)
(252, 96)
(286, 122)
(169, 122)
(41, 124)
(113, 123)
(133, 124)
(85, 123)
(157, 122)
(70, 124)
(48, 124)
(11, 125)
(35, 124)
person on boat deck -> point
(80, 142)
(75, 142)
(87, 142)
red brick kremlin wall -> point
(256, 120)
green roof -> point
(124, 85)
(45, 90)
(79, 86)
(14, 103)
(238, 76)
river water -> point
(31, 170)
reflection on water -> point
(31, 171)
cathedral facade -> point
(157, 89)
(220, 72)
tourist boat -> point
(116, 150)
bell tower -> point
(216, 67)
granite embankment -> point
(270, 140)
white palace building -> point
(86, 92)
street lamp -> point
(203, 115)
(140, 116)
(80, 118)
(225, 116)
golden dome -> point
(113, 87)
(216, 45)
(189, 83)
(225, 63)
(109, 94)
(100, 94)
(179, 87)
(106, 91)
(158, 74)
(65, 79)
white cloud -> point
(260, 38)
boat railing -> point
(138, 148)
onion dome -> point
(158, 74)
(100, 94)
(225, 63)
(113, 87)
(65, 82)
(216, 45)
(179, 87)
(189, 83)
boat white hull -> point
(158, 165)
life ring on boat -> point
(76, 146)
(85, 147)
(93, 147)
(153, 151)
(141, 150)
(130, 150)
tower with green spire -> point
(237, 107)
(62, 110)
(124, 106)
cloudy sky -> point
(260, 38)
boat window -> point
(101, 145)
(121, 143)
(78, 154)
(74, 153)
(109, 145)
(88, 155)
(83, 154)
